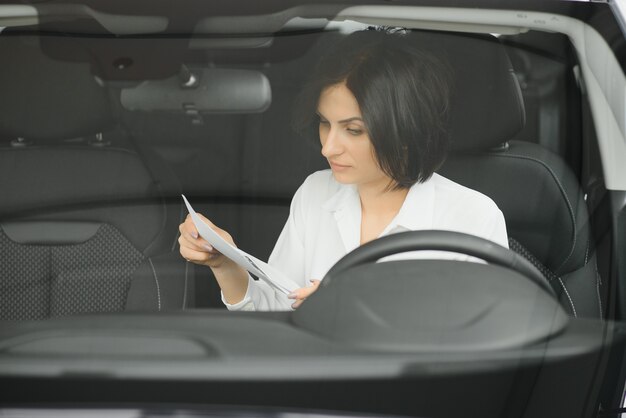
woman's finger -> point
(196, 256)
(189, 233)
(196, 249)
(196, 244)
(188, 229)
(302, 293)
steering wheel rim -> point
(437, 240)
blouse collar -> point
(416, 212)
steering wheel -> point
(455, 242)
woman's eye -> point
(355, 132)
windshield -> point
(164, 174)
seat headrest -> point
(486, 106)
(46, 99)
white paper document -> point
(262, 270)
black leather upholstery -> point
(538, 193)
(546, 215)
(486, 105)
(83, 228)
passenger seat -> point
(84, 223)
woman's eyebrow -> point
(344, 120)
(351, 119)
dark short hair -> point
(403, 93)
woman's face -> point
(345, 141)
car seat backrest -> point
(43, 98)
(84, 226)
(546, 215)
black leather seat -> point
(546, 215)
(84, 226)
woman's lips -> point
(338, 167)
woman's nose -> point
(330, 144)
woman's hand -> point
(301, 294)
(196, 249)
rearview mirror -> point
(205, 90)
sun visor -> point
(204, 90)
(127, 54)
(120, 59)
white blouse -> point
(324, 224)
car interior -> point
(127, 153)
(101, 133)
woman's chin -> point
(342, 178)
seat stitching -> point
(185, 287)
(562, 189)
(156, 280)
(568, 297)
(175, 241)
(598, 284)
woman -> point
(381, 106)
